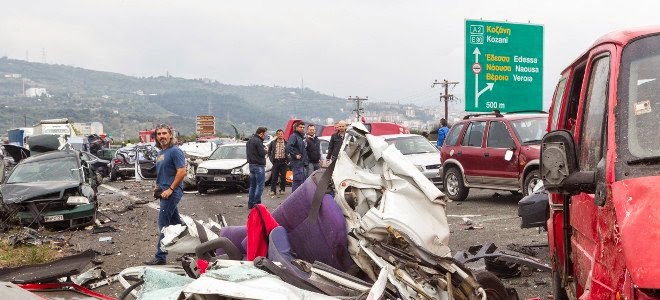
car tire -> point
(558, 292)
(530, 181)
(454, 186)
(492, 285)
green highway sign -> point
(503, 66)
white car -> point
(226, 167)
(420, 152)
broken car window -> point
(63, 169)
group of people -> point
(301, 152)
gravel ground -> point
(129, 208)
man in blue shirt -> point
(442, 132)
(170, 171)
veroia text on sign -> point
(503, 66)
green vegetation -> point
(126, 104)
(25, 255)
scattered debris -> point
(89, 275)
(48, 272)
(107, 239)
(29, 236)
(503, 263)
(102, 229)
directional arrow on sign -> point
(489, 86)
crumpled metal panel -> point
(48, 272)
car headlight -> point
(77, 200)
(421, 168)
(237, 171)
(201, 170)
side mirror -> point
(559, 168)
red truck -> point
(601, 163)
(375, 128)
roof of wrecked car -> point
(51, 155)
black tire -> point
(113, 174)
(530, 181)
(558, 292)
(493, 286)
(454, 186)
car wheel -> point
(530, 182)
(454, 186)
(113, 174)
(492, 285)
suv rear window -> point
(454, 133)
(474, 134)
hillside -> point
(126, 104)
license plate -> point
(219, 179)
(54, 218)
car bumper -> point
(79, 215)
(210, 181)
(435, 175)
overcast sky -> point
(387, 50)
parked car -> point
(418, 150)
(493, 151)
(226, 167)
(601, 165)
(534, 209)
(123, 165)
(55, 189)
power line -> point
(446, 97)
(358, 105)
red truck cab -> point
(601, 163)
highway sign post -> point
(503, 66)
(205, 125)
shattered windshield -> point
(639, 94)
(229, 152)
(530, 131)
(62, 169)
(412, 145)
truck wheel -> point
(531, 180)
(454, 186)
(558, 292)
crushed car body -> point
(54, 188)
(370, 225)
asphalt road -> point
(129, 207)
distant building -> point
(36, 92)
(410, 112)
(86, 129)
(14, 75)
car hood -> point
(638, 217)
(424, 159)
(19, 192)
(222, 164)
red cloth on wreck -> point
(258, 228)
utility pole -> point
(446, 97)
(358, 105)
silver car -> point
(424, 155)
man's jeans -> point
(279, 174)
(169, 215)
(257, 180)
(311, 168)
(298, 177)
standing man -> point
(170, 171)
(442, 132)
(256, 157)
(295, 149)
(336, 140)
(277, 156)
(313, 148)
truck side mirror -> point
(559, 168)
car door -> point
(500, 169)
(471, 152)
(590, 148)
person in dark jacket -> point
(313, 148)
(256, 158)
(297, 155)
(277, 156)
(336, 140)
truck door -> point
(591, 143)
